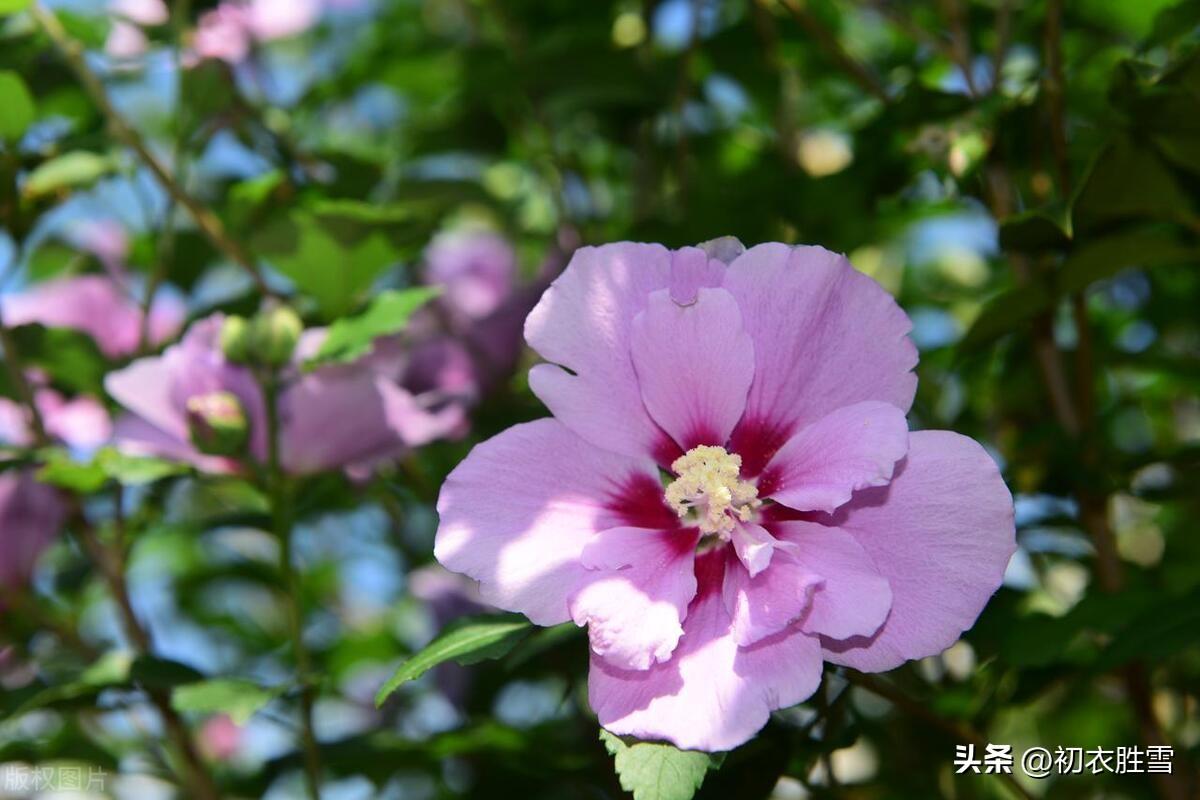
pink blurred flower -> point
(125, 38)
(222, 33)
(343, 415)
(473, 339)
(802, 521)
(106, 239)
(476, 270)
(31, 513)
(95, 305)
(142, 12)
(221, 738)
(229, 31)
(79, 422)
(125, 41)
(268, 20)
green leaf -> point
(72, 170)
(240, 699)
(153, 672)
(1156, 634)
(1032, 232)
(656, 771)
(110, 670)
(1006, 313)
(85, 477)
(351, 337)
(332, 253)
(467, 641)
(81, 477)
(1104, 257)
(13, 6)
(18, 106)
(1128, 181)
(136, 470)
(69, 357)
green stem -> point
(281, 518)
(207, 221)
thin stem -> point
(280, 493)
(208, 222)
(16, 371)
(166, 242)
(1003, 40)
(960, 43)
(23, 607)
(1076, 415)
(913, 708)
(828, 42)
(112, 566)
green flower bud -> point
(273, 335)
(217, 423)
(235, 339)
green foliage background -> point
(1023, 175)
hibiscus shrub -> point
(490, 398)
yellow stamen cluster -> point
(709, 483)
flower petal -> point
(637, 593)
(582, 324)
(942, 534)
(854, 599)
(31, 514)
(694, 364)
(825, 462)
(712, 695)
(762, 605)
(825, 336)
(518, 511)
(754, 546)
(334, 417)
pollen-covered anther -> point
(709, 484)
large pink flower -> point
(342, 415)
(728, 492)
(97, 306)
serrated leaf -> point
(137, 470)
(657, 771)
(81, 477)
(333, 253)
(351, 337)
(466, 641)
(18, 106)
(240, 699)
(85, 477)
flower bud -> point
(274, 334)
(217, 423)
(235, 339)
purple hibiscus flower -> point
(31, 513)
(727, 494)
(95, 305)
(336, 416)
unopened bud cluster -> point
(268, 339)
